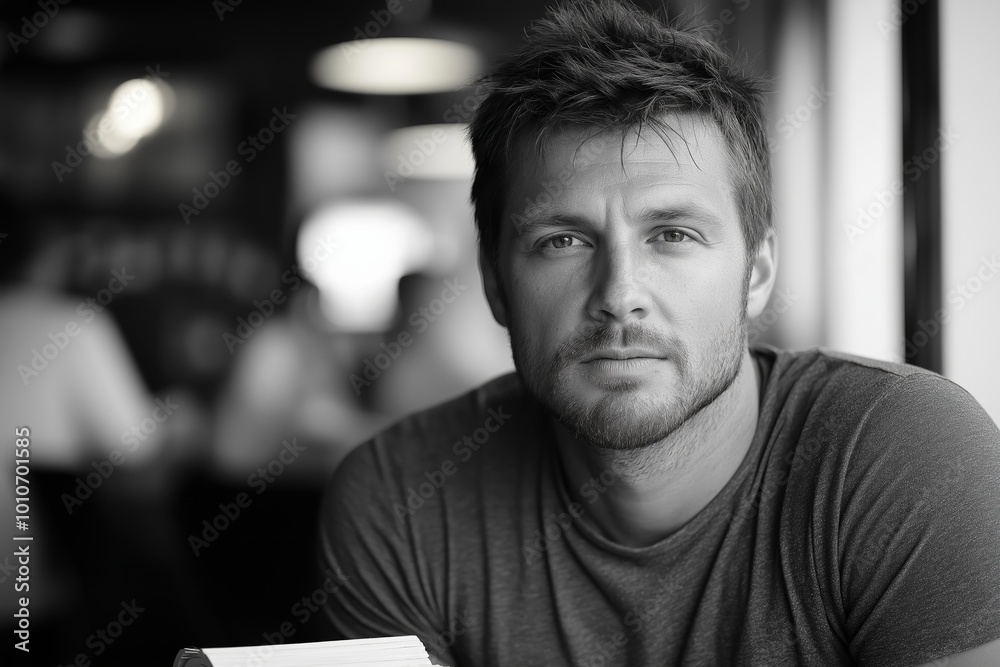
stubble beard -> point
(628, 417)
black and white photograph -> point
(469, 333)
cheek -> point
(541, 293)
(545, 311)
(702, 299)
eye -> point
(559, 241)
(673, 236)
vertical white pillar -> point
(863, 224)
(971, 184)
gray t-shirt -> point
(863, 526)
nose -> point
(620, 291)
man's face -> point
(623, 279)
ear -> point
(493, 288)
(762, 275)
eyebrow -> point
(542, 218)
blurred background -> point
(235, 241)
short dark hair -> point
(609, 65)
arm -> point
(384, 567)
(920, 528)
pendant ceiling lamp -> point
(394, 54)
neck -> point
(653, 491)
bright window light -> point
(356, 252)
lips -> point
(621, 354)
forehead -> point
(687, 152)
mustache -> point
(604, 336)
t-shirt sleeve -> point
(383, 570)
(920, 526)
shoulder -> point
(425, 436)
(822, 368)
(871, 414)
(400, 504)
(887, 400)
(897, 481)
(855, 391)
(478, 430)
(918, 525)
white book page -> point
(388, 651)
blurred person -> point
(70, 379)
(648, 488)
(290, 378)
(286, 415)
(452, 345)
(70, 375)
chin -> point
(624, 414)
(620, 420)
(631, 404)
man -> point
(647, 490)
